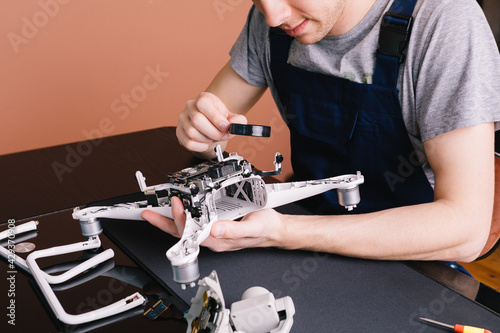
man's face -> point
(308, 21)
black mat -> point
(331, 293)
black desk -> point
(331, 293)
(347, 293)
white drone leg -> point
(125, 304)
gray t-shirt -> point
(450, 79)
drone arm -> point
(347, 187)
(118, 212)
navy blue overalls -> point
(339, 127)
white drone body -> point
(226, 189)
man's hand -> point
(261, 228)
(174, 227)
(204, 123)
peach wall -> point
(72, 70)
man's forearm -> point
(433, 231)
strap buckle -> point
(395, 34)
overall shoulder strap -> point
(394, 36)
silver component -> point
(349, 197)
(90, 227)
(24, 247)
(186, 274)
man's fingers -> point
(215, 111)
(161, 222)
(206, 127)
(237, 119)
(205, 120)
(174, 227)
(235, 230)
(232, 236)
(178, 214)
(190, 144)
(189, 130)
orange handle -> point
(469, 329)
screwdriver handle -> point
(469, 329)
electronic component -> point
(250, 130)
(156, 310)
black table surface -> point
(343, 294)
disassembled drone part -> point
(257, 312)
(44, 281)
(90, 228)
(226, 189)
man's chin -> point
(306, 40)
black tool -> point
(250, 130)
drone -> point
(224, 189)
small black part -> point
(194, 190)
(282, 315)
(152, 199)
(250, 130)
(215, 171)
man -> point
(350, 108)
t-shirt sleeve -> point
(458, 81)
(246, 53)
